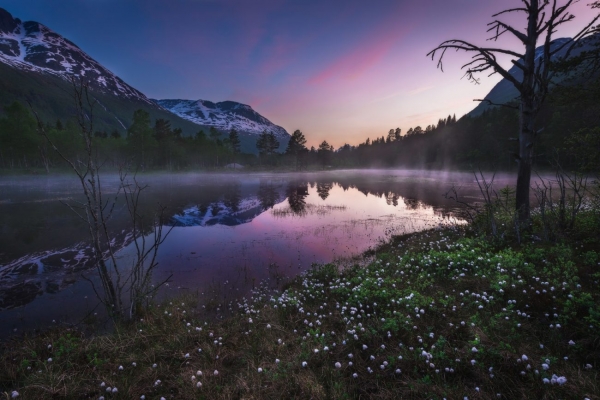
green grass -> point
(438, 314)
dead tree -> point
(124, 287)
(543, 18)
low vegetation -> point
(449, 313)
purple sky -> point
(337, 70)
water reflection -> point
(323, 189)
(296, 194)
(226, 227)
(268, 194)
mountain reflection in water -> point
(226, 228)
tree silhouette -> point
(325, 152)
(234, 141)
(215, 135)
(296, 146)
(266, 144)
(267, 194)
(140, 138)
(296, 194)
(234, 144)
(232, 196)
(543, 17)
(323, 189)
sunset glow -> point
(338, 71)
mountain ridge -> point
(223, 115)
(37, 66)
(504, 91)
(34, 47)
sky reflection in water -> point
(229, 232)
(337, 223)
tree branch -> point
(484, 55)
(491, 103)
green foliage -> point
(146, 145)
(51, 97)
(234, 141)
(140, 140)
(19, 142)
(267, 144)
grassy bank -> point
(439, 314)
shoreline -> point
(440, 313)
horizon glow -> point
(341, 71)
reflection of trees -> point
(232, 196)
(323, 189)
(202, 209)
(391, 199)
(345, 185)
(296, 194)
(412, 204)
(267, 195)
(215, 208)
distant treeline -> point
(146, 145)
(568, 129)
(569, 134)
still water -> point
(229, 231)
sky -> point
(338, 70)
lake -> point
(229, 232)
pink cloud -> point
(364, 55)
(280, 55)
(354, 63)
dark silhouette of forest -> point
(570, 122)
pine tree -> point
(296, 146)
(140, 138)
(234, 141)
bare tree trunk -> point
(96, 211)
(525, 161)
(543, 17)
(528, 111)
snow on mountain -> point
(31, 46)
(223, 116)
(220, 213)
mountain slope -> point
(226, 115)
(31, 46)
(505, 92)
(36, 66)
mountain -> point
(36, 66)
(505, 92)
(33, 47)
(226, 115)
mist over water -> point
(229, 231)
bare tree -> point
(124, 287)
(543, 18)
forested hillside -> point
(569, 133)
